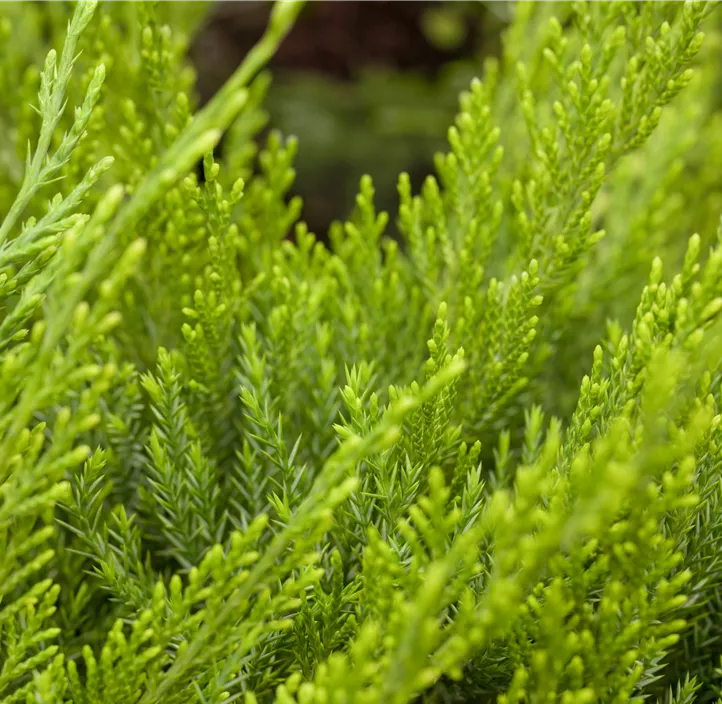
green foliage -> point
(480, 463)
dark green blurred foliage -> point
(381, 124)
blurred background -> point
(367, 87)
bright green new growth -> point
(479, 463)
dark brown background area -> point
(360, 83)
(335, 39)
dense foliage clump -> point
(477, 462)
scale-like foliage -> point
(477, 463)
